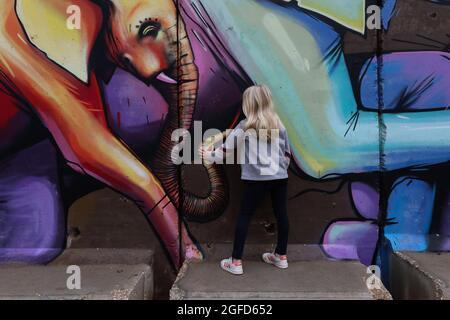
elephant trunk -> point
(182, 100)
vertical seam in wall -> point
(381, 125)
(180, 189)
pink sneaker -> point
(227, 265)
(273, 259)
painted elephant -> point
(49, 87)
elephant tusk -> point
(165, 78)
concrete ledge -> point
(424, 276)
(106, 274)
(106, 282)
(303, 280)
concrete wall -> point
(364, 109)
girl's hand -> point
(205, 151)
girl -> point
(264, 168)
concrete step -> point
(105, 274)
(309, 277)
(419, 275)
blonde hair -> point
(259, 109)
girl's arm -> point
(211, 154)
(287, 144)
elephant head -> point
(148, 39)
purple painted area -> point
(353, 240)
(221, 79)
(441, 243)
(136, 112)
(32, 227)
(366, 199)
(423, 75)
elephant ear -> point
(349, 13)
(45, 23)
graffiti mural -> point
(50, 76)
(335, 133)
(97, 106)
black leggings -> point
(253, 194)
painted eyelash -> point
(145, 20)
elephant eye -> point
(149, 29)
